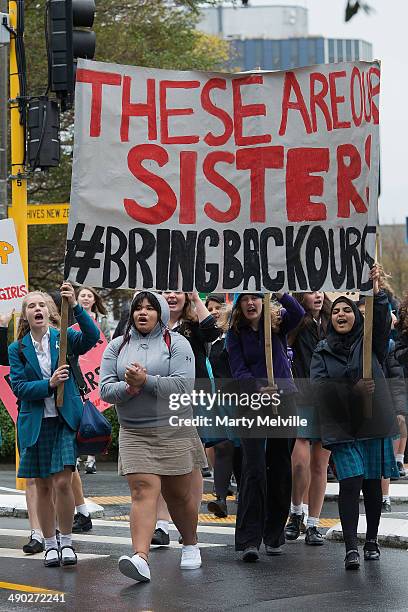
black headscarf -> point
(342, 343)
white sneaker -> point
(135, 567)
(190, 557)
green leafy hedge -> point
(7, 448)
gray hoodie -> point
(169, 370)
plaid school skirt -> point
(368, 458)
(54, 450)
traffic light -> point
(67, 39)
(43, 144)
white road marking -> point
(105, 539)
(18, 554)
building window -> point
(276, 54)
(331, 51)
(349, 55)
(356, 49)
(312, 56)
(339, 50)
(294, 53)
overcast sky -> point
(387, 30)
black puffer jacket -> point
(342, 410)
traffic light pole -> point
(18, 210)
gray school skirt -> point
(165, 451)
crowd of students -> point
(173, 343)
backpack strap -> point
(72, 361)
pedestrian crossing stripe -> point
(26, 588)
(111, 500)
(115, 500)
(230, 520)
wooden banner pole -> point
(368, 344)
(63, 348)
(268, 343)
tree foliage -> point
(152, 33)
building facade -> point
(276, 38)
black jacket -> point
(303, 346)
(199, 336)
(219, 360)
(394, 374)
(4, 361)
(120, 328)
(401, 351)
(342, 413)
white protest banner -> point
(12, 282)
(224, 181)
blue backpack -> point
(94, 433)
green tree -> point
(152, 33)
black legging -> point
(349, 497)
(228, 459)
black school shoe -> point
(292, 529)
(371, 551)
(81, 523)
(33, 547)
(218, 507)
(352, 560)
(314, 537)
(160, 538)
(250, 554)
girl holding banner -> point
(359, 439)
(46, 436)
(266, 480)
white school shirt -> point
(43, 353)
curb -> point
(393, 533)
(398, 492)
(15, 505)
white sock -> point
(312, 521)
(66, 540)
(83, 509)
(386, 498)
(296, 509)
(400, 458)
(163, 525)
(50, 543)
(36, 534)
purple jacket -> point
(246, 350)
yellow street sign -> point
(47, 214)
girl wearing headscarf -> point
(356, 415)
